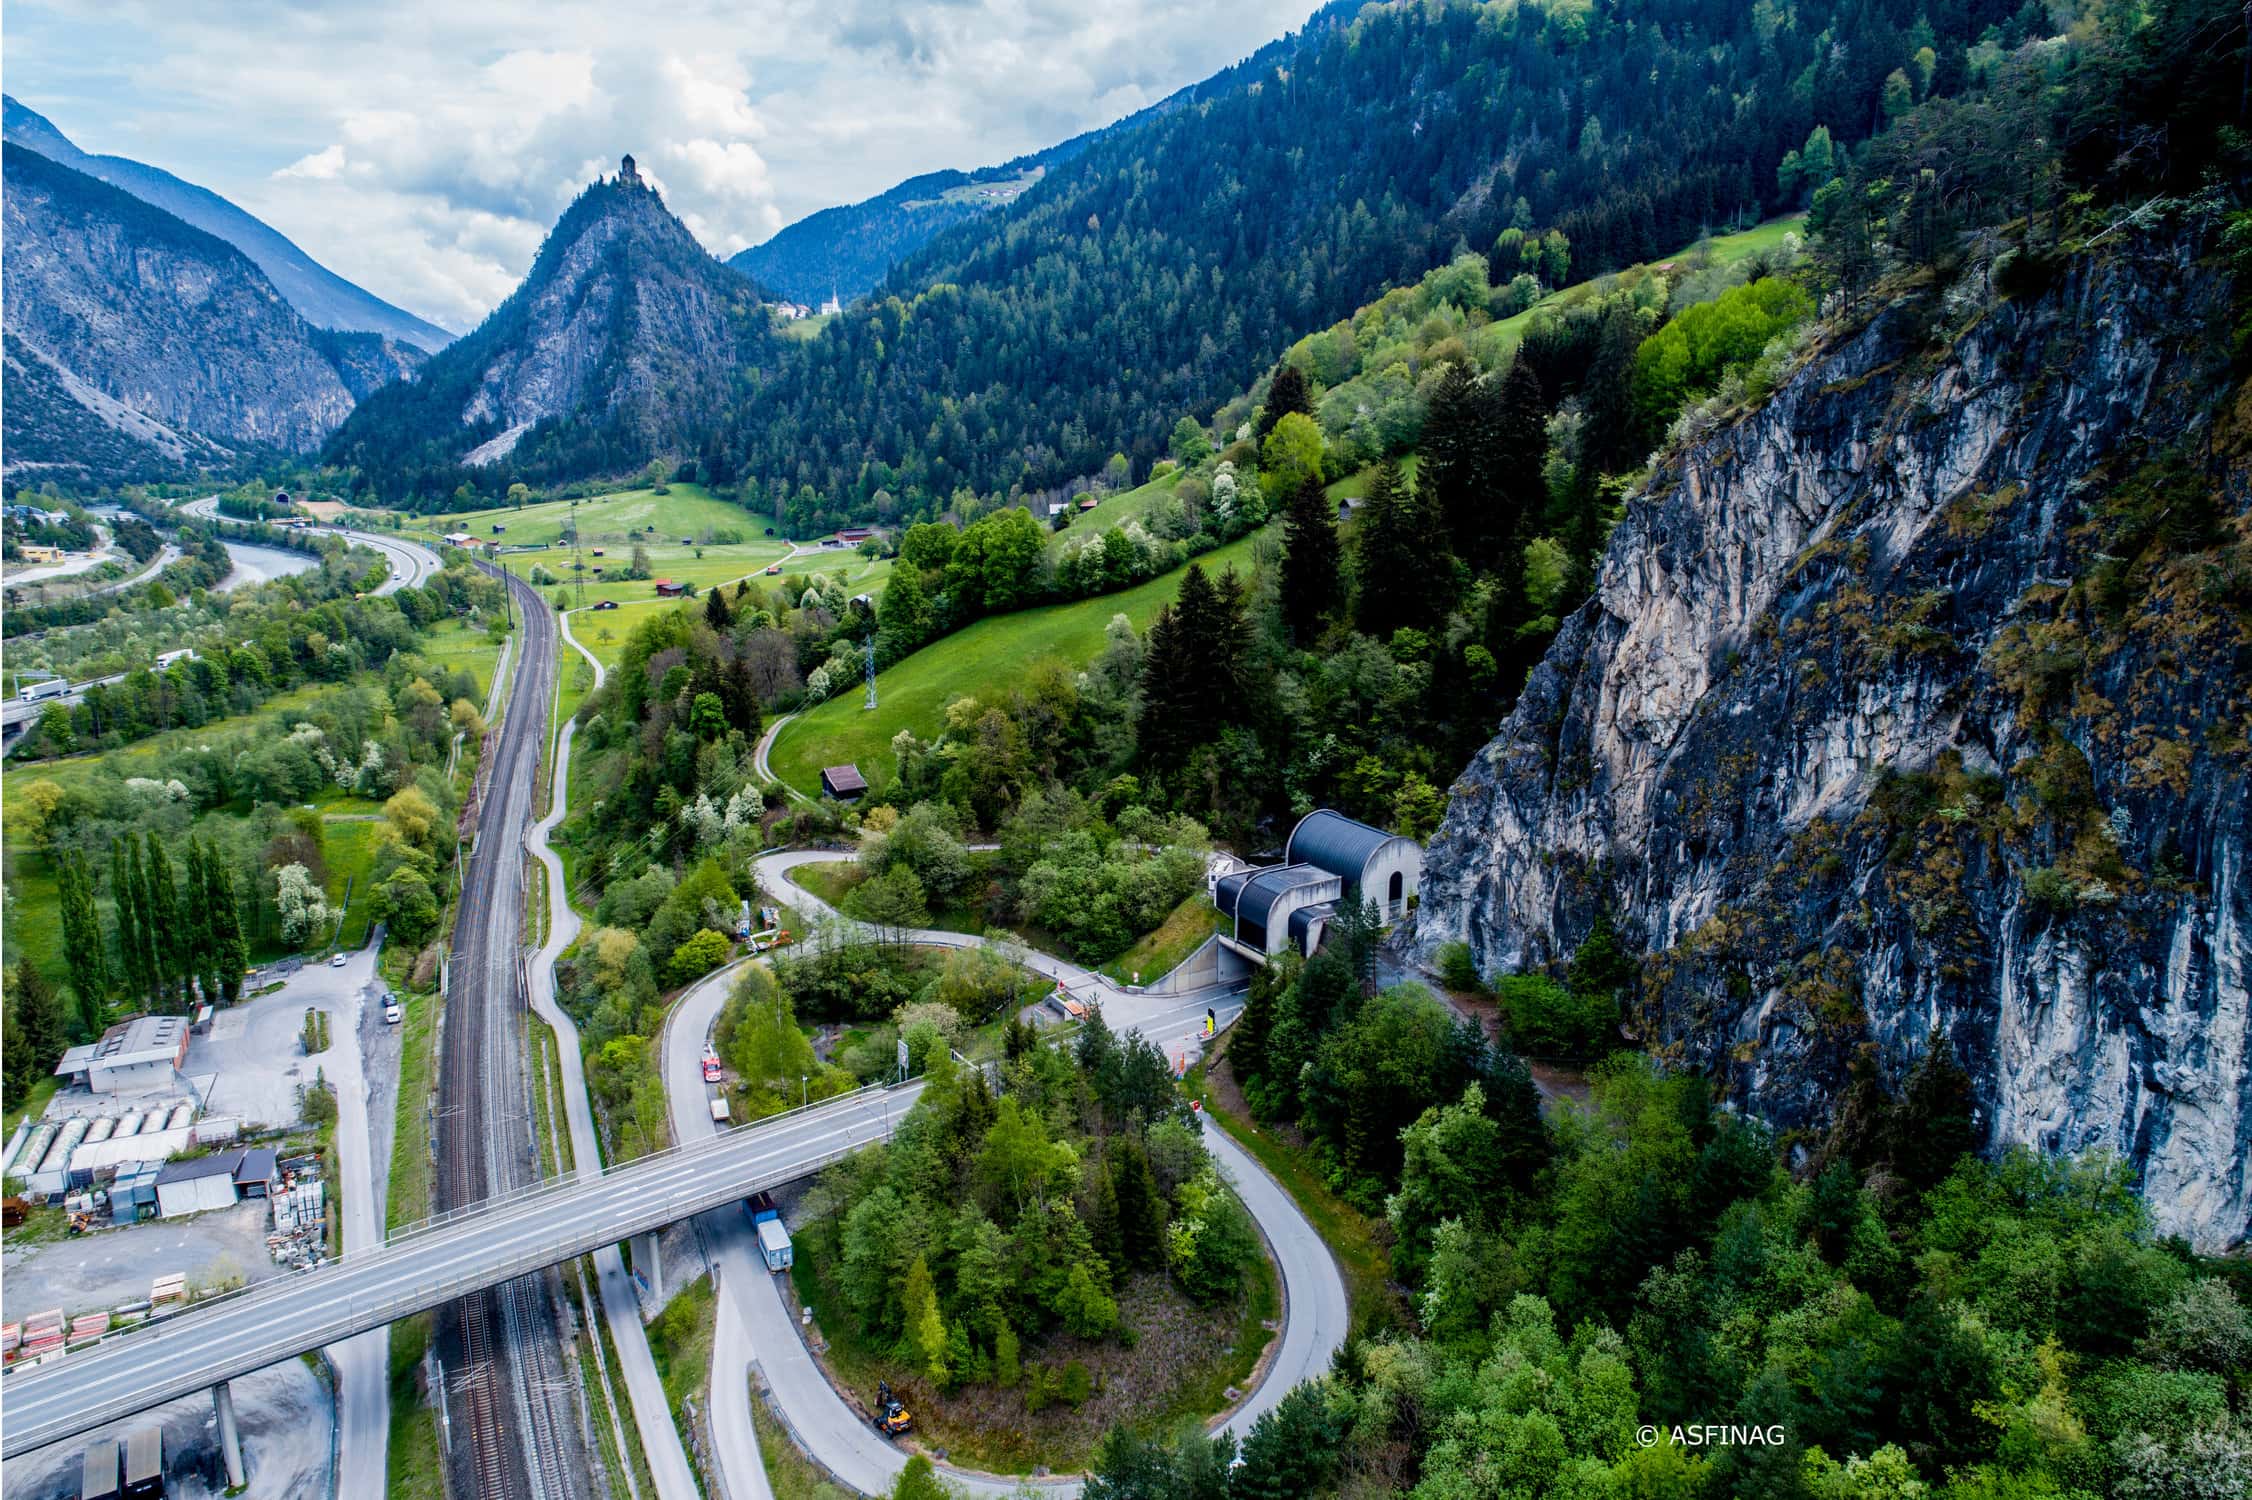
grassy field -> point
(417, 1462)
(983, 659)
(1160, 952)
(680, 1339)
(407, 1197)
(701, 565)
(621, 518)
(1118, 509)
(791, 1474)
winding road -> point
(411, 562)
(621, 1310)
(755, 1326)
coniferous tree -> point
(1451, 472)
(1196, 670)
(44, 1030)
(83, 949)
(165, 925)
(1141, 1206)
(1310, 587)
(715, 610)
(1286, 394)
(132, 928)
(1399, 563)
(230, 955)
(1101, 1215)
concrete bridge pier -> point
(230, 1436)
(650, 1264)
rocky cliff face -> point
(161, 334)
(1915, 703)
(621, 342)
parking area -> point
(95, 1272)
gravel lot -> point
(90, 1272)
(287, 1414)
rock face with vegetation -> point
(618, 345)
(143, 341)
(1910, 709)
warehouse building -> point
(199, 1185)
(132, 1057)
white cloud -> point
(322, 164)
(424, 148)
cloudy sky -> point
(422, 147)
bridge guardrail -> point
(494, 1212)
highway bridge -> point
(436, 1263)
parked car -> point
(340, 960)
(393, 1011)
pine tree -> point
(1449, 474)
(1395, 565)
(1247, 1042)
(1310, 588)
(83, 949)
(1520, 493)
(715, 610)
(1286, 394)
(1141, 1208)
(1196, 671)
(44, 1029)
(1101, 1215)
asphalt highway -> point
(755, 1326)
(480, 1247)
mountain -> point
(323, 298)
(846, 251)
(1164, 267)
(621, 341)
(1913, 706)
(843, 252)
(137, 343)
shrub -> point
(1458, 968)
(1549, 1019)
(702, 953)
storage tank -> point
(101, 1130)
(182, 1114)
(66, 1141)
(34, 1146)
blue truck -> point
(773, 1237)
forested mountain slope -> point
(136, 341)
(323, 298)
(621, 342)
(1167, 264)
(845, 251)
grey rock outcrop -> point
(1915, 703)
(159, 333)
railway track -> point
(518, 1427)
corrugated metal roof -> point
(257, 1165)
(1341, 845)
(1256, 902)
(221, 1164)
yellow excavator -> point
(892, 1418)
